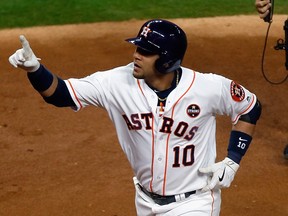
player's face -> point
(144, 64)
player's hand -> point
(24, 58)
(222, 174)
(263, 6)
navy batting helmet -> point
(164, 38)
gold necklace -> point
(177, 78)
(177, 81)
(162, 99)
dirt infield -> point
(57, 162)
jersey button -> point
(159, 159)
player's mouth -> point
(136, 67)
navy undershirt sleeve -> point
(42, 79)
(61, 96)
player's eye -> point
(144, 52)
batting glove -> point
(24, 58)
(222, 174)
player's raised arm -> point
(52, 88)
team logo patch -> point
(145, 31)
(237, 92)
(193, 110)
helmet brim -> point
(144, 44)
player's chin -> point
(137, 72)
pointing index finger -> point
(26, 46)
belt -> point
(164, 200)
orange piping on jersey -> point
(152, 144)
(168, 137)
(213, 201)
(75, 94)
(152, 159)
(140, 88)
(253, 98)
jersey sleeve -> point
(89, 90)
(101, 88)
(235, 100)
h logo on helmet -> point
(145, 31)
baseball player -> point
(263, 7)
(165, 118)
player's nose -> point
(137, 55)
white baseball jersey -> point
(165, 151)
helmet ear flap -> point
(166, 64)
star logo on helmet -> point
(145, 31)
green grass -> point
(24, 13)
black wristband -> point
(41, 79)
(238, 144)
